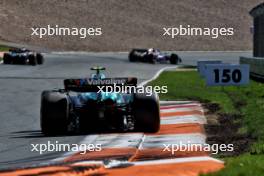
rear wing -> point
(18, 50)
(139, 50)
(92, 85)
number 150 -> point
(228, 75)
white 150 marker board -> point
(227, 74)
(201, 65)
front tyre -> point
(40, 59)
(146, 112)
(174, 59)
(54, 112)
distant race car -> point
(153, 56)
(80, 107)
(22, 56)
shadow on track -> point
(39, 134)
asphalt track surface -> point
(21, 86)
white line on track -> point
(155, 162)
(158, 141)
(87, 140)
(177, 160)
(157, 75)
(131, 140)
(174, 103)
(141, 143)
(179, 109)
(183, 119)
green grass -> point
(4, 48)
(247, 101)
(244, 165)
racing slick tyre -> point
(174, 59)
(146, 112)
(54, 112)
(132, 57)
(40, 59)
(32, 60)
(7, 59)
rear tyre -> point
(174, 59)
(54, 112)
(7, 58)
(40, 59)
(146, 112)
(32, 60)
(132, 57)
